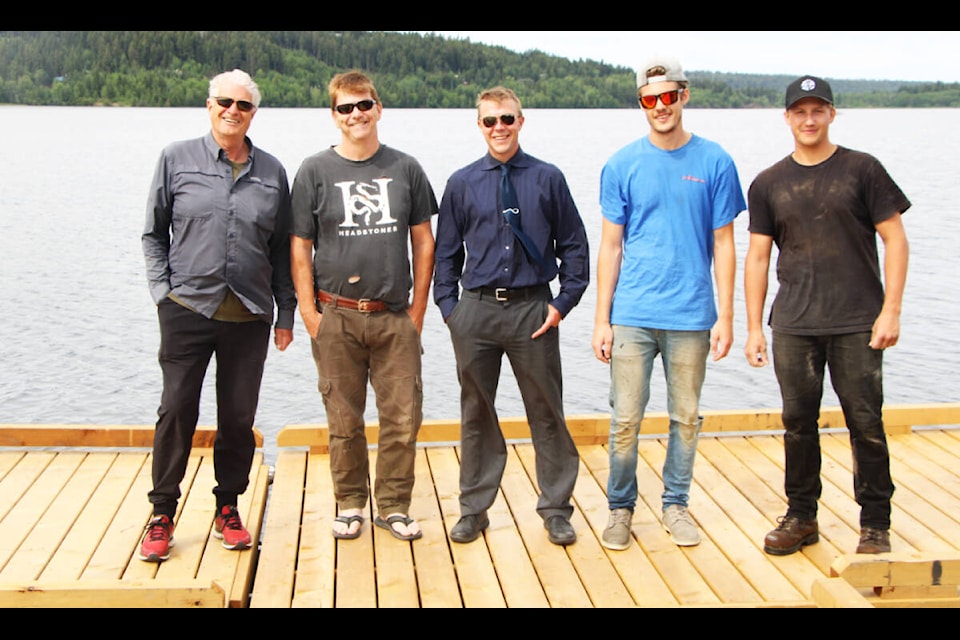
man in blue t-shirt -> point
(668, 202)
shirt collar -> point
(519, 159)
(215, 149)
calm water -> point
(79, 337)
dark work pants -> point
(187, 342)
(482, 330)
(857, 375)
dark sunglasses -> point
(347, 107)
(507, 119)
(667, 98)
(243, 105)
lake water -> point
(79, 336)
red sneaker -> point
(228, 527)
(157, 540)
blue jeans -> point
(857, 375)
(684, 355)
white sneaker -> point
(681, 527)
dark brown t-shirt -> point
(822, 219)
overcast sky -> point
(848, 55)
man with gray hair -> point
(668, 202)
(217, 250)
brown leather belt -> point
(363, 305)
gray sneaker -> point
(617, 534)
(681, 527)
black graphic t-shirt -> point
(359, 214)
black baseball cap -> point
(808, 87)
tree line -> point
(292, 68)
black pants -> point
(187, 342)
(856, 372)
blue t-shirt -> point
(669, 204)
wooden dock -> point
(73, 506)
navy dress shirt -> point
(476, 248)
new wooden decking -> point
(736, 499)
(73, 507)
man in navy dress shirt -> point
(507, 307)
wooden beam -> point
(837, 593)
(97, 435)
(594, 428)
(112, 594)
(898, 570)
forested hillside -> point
(171, 69)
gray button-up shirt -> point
(206, 233)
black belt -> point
(363, 305)
(503, 294)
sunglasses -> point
(243, 105)
(507, 119)
(667, 98)
(347, 107)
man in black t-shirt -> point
(823, 206)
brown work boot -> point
(874, 540)
(791, 534)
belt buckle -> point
(501, 291)
(364, 304)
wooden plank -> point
(197, 507)
(110, 594)
(513, 561)
(18, 480)
(832, 527)
(20, 521)
(722, 523)
(396, 578)
(641, 579)
(591, 429)
(754, 504)
(234, 568)
(316, 564)
(907, 533)
(9, 460)
(835, 593)
(479, 584)
(898, 569)
(100, 435)
(928, 453)
(560, 581)
(356, 581)
(138, 569)
(276, 567)
(587, 557)
(121, 541)
(91, 524)
(436, 577)
(724, 580)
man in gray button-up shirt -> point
(217, 251)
